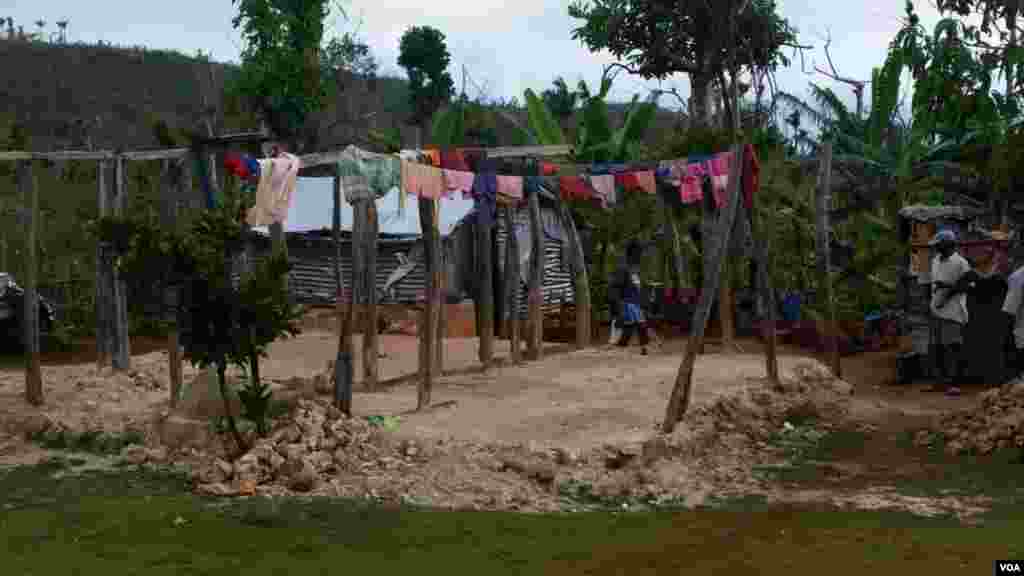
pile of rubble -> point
(319, 451)
(996, 422)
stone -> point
(275, 462)
(305, 479)
(247, 467)
(158, 454)
(320, 460)
(177, 432)
(224, 468)
(134, 454)
(217, 489)
(293, 451)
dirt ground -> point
(587, 405)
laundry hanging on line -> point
(274, 191)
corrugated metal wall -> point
(311, 280)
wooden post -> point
(512, 282)
(442, 320)
(368, 211)
(428, 334)
(680, 399)
(764, 282)
(678, 263)
(170, 193)
(121, 353)
(485, 286)
(823, 197)
(102, 309)
(535, 296)
(343, 368)
(581, 287)
(30, 308)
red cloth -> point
(454, 160)
(573, 188)
(628, 180)
(234, 164)
(751, 175)
(548, 169)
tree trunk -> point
(581, 280)
(823, 197)
(700, 100)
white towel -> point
(274, 191)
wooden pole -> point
(485, 286)
(343, 368)
(676, 260)
(442, 320)
(30, 307)
(680, 399)
(170, 194)
(512, 284)
(102, 280)
(121, 351)
(535, 338)
(581, 287)
(764, 281)
(429, 333)
(368, 211)
(823, 197)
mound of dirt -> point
(317, 450)
(996, 422)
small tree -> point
(222, 324)
(423, 54)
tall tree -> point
(425, 58)
(704, 40)
(280, 73)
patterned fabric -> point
(367, 176)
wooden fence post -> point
(30, 308)
(823, 197)
(512, 284)
(535, 295)
(581, 279)
(428, 334)
(368, 212)
(485, 285)
(122, 350)
(170, 193)
(343, 368)
(442, 319)
(680, 399)
(764, 281)
(101, 305)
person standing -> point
(1012, 308)
(948, 308)
(627, 295)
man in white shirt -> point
(948, 307)
(1012, 307)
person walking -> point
(948, 308)
(626, 291)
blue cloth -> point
(253, 165)
(791, 307)
(604, 168)
(485, 191)
(632, 314)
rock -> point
(134, 454)
(293, 451)
(541, 472)
(275, 463)
(247, 467)
(224, 469)
(321, 460)
(217, 489)
(287, 435)
(158, 454)
(334, 414)
(655, 449)
(305, 479)
(177, 432)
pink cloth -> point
(510, 189)
(458, 181)
(646, 181)
(691, 186)
(275, 190)
(422, 180)
(720, 165)
(676, 169)
(604, 188)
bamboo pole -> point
(823, 197)
(535, 337)
(512, 283)
(30, 308)
(680, 398)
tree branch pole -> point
(122, 350)
(102, 307)
(368, 212)
(823, 200)
(764, 282)
(30, 309)
(428, 334)
(169, 194)
(581, 279)
(679, 401)
(485, 291)
(512, 285)
(535, 295)
(343, 369)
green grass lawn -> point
(132, 522)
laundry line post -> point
(121, 358)
(367, 212)
(170, 190)
(535, 296)
(30, 309)
(714, 253)
(823, 200)
(512, 285)
(431, 308)
(762, 260)
(343, 368)
(102, 306)
(581, 278)
(485, 283)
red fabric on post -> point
(573, 188)
(454, 160)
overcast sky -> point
(505, 46)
